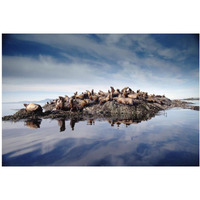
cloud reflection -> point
(159, 141)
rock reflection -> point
(33, 124)
(117, 120)
(164, 141)
(126, 122)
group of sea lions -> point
(77, 102)
(125, 96)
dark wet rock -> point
(195, 107)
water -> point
(193, 102)
(171, 138)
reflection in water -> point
(90, 122)
(123, 119)
(72, 123)
(33, 124)
(161, 141)
(61, 123)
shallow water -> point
(169, 139)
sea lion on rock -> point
(124, 94)
(124, 89)
(60, 103)
(101, 93)
(66, 98)
(150, 100)
(32, 107)
(103, 100)
(133, 96)
(83, 103)
(112, 89)
(80, 96)
(127, 101)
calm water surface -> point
(169, 139)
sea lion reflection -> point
(33, 124)
(126, 122)
(90, 122)
(72, 123)
(61, 123)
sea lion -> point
(127, 101)
(124, 89)
(80, 96)
(124, 94)
(103, 100)
(101, 93)
(150, 100)
(83, 103)
(71, 104)
(66, 98)
(60, 103)
(112, 89)
(133, 96)
(130, 91)
(32, 107)
(95, 98)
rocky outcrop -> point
(114, 103)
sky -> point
(41, 66)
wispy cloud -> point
(98, 61)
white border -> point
(103, 16)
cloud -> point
(99, 61)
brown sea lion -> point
(133, 96)
(60, 103)
(33, 107)
(80, 96)
(71, 104)
(127, 101)
(66, 98)
(95, 98)
(124, 94)
(150, 100)
(130, 91)
(83, 103)
(124, 89)
(103, 100)
(101, 93)
(112, 89)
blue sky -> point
(40, 66)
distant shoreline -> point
(191, 99)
